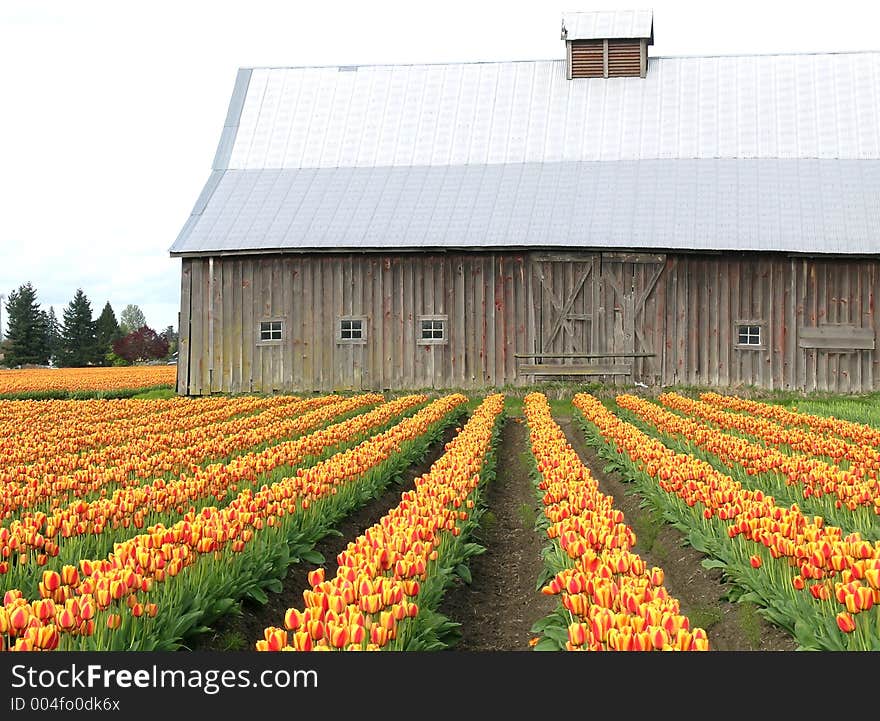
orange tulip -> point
(339, 636)
(51, 580)
(276, 638)
(845, 622)
(577, 634)
(19, 618)
(302, 641)
(379, 635)
(292, 619)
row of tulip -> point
(610, 599)
(40, 491)
(157, 588)
(390, 579)
(861, 460)
(44, 416)
(86, 379)
(840, 497)
(860, 433)
(808, 577)
(63, 440)
(91, 529)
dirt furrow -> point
(497, 609)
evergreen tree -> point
(131, 319)
(79, 344)
(107, 331)
(53, 334)
(171, 336)
(25, 328)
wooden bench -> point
(558, 369)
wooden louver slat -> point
(587, 59)
(624, 58)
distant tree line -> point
(37, 337)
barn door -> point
(562, 307)
(623, 286)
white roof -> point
(767, 152)
(769, 106)
(795, 206)
(607, 24)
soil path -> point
(730, 626)
(497, 609)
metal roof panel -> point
(791, 205)
(606, 24)
(747, 106)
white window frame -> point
(362, 319)
(442, 318)
(270, 341)
(762, 334)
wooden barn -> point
(607, 215)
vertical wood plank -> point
(389, 340)
(227, 324)
(724, 322)
(736, 305)
(408, 319)
(419, 352)
(822, 304)
(310, 319)
(377, 365)
(183, 328)
(339, 362)
(197, 328)
(459, 332)
(791, 326)
(712, 309)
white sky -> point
(110, 111)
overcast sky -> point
(110, 111)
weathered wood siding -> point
(483, 296)
(705, 296)
(682, 308)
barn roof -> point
(744, 152)
(607, 24)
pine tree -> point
(107, 331)
(25, 328)
(171, 336)
(53, 334)
(79, 344)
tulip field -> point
(85, 382)
(141, 524)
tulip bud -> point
(292, 619)
(845, 622)
(276, 638)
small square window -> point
(749, 335)
(270, 330)
(352, 330)
(431, 330)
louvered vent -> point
(588, 59)
(608, 44)
(624, 58)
